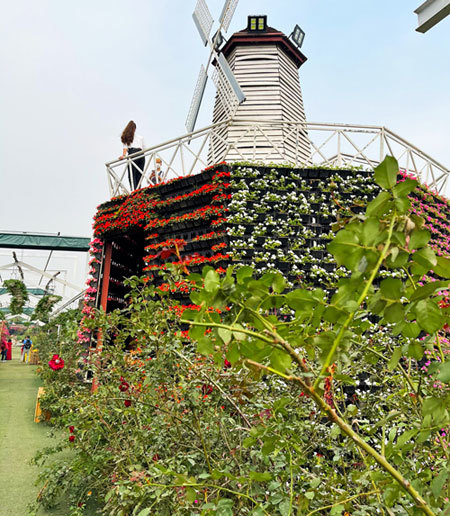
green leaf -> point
(212, 281)
(346, 249)
(444, 375)
(205, 346)
(280, 360)
(299, 299)
(402, 205)
(278, 283)
(260, 477)
(411, 330)
(269, 445)
(395, 358)
(394, 313)
(404, 187)
(419, 238)
(337, 510)
(405, 437)
(378, 205)
(315, 482)
(244, 272)
(425, 258)
(429, 315)
(390, 495)
(145, 512)
(233, 354)
(435, 407)
(225, 335)
(385, 173)
(442, 267)
(190, 494)
(428, 290)
(310, 495)
(391, 288)
(438, 483)
(415, 350)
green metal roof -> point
(27, 310)
(50, 242)
(34, 291)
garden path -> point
(20, 437)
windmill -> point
(228, 90)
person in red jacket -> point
(9, 349)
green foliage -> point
(44, 307)
(18, 293)
(281, 402)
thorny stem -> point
(332, 415)
(205, 452)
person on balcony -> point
(133, 143)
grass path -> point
(20, 437)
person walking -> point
(3, 350)
(9, 349)
(133, 143)
(27, 344)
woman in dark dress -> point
(132, 143)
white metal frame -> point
(332, 145)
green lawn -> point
(20, 437)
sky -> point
(74, 73)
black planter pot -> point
(324, 173)
(318, 254)
(284, 266)
(300, 172)
(306, 218)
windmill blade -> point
(196, 100)
(227, 13)
(225, 93)
(229, 75)
(203, 20)
(228, 89)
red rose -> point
(71, 429)
(124, 386)
(127, 403)
(207, 389)
(56, 363)
(71, 438)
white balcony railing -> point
(331, 145)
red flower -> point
(127, 403)
(71, 429)
(56, 363)
(226, 364)
(71, 438)
(207, 389)
(124, 386)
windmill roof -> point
(270, 35)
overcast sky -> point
(74, 72)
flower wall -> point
(275, 218)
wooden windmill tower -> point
(256, 76)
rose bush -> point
(278, 401)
